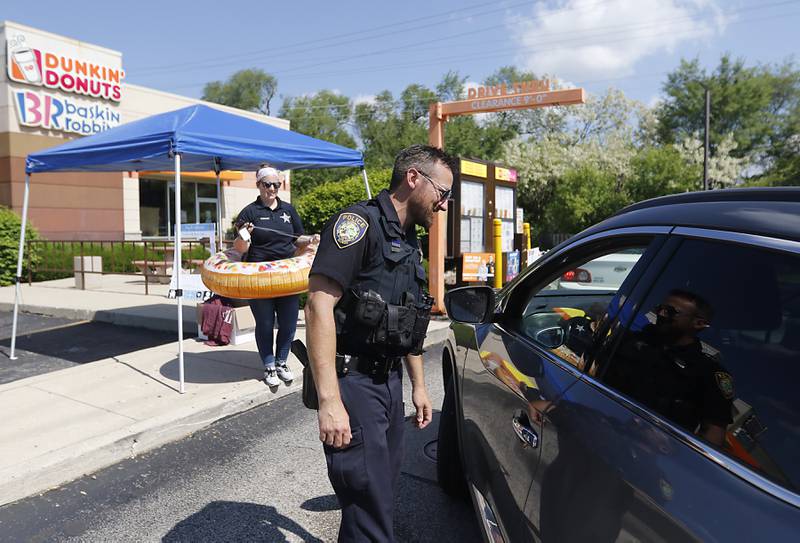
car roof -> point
(773, 212)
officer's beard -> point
(668, 331)
(421, 214)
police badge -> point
(725, 384)
(349, 229)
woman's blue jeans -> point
(264, 311)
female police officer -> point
(366, 310)
(275, 228)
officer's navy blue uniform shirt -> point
(345, 260)
(266, 245)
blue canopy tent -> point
(197, 138)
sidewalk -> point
(62, 425)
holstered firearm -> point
(389, 330)
(310, 399)
(421, 324)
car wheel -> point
(449, 470)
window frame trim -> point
(722, 460)
(507, 291)
(754, 240)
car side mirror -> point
(471, 305)
(551, 338)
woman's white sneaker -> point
(271, 377)
(284, 372)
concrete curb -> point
(121, 317)
(61, 466)
(60, 312)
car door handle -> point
(524, 432)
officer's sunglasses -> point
(444, 194)
(668, 310)
(275, 185)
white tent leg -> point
(17, 294)
(219, 217)
(366, 183)
(176, 266)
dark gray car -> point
(664, 409)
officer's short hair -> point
(704, 309)
(421, 156)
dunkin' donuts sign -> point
(43, 68)
(39, 62)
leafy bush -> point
(10, 224)
(320, 203)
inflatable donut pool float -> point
(223, 274)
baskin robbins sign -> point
(60, 73)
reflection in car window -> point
(715, 349)
(565, 315)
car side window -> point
(564, 312)
(715, 349)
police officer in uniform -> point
(667, 368)
(367, 310)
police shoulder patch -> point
(725, 384)
(349, 229)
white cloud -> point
(364, 99)
(580, 39)
(655, 101)
(471, 85)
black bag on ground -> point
(310, 399)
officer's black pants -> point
(364, 475)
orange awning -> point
(224, 175)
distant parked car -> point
(655, 402)
(608, 271)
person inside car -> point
(667, 368)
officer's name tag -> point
(349, 229)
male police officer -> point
(366, 310)
(667, 368)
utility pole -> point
(705, 146)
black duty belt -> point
(374, 367)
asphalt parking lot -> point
(46, 344)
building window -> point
(153, 212)
(157, 205)
(471, 217)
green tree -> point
(585, 195)
(326, 116)
(252, 90)
(725, 167)
(384, 130)
(784, 166)
(319, 204)
(536, 123)
(747, 103)
(600, 134)
(386, 125)
(657, 171)
(451, 87)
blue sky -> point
(360, 48)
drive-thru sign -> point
(503, 97)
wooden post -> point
(438, 231)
